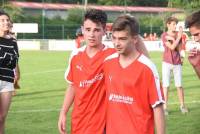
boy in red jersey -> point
(133, 88)
(86, 79)
(193, 23)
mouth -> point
(118, 49)
(91, 40)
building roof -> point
(59, 6)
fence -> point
(69, 31)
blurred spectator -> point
(155, 37)
(79, 38)
(184, 40)
(193, 23)
(145, 36)
(151, 37)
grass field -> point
(35, 109)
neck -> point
(133, 54)
(126, 60)
(92, 50)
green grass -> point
(35, 109)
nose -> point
(91, 34)
(116, 43)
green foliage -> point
(189, 5)
(16, 14)
(151, 24)
(75, 15)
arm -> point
(141, 47)
(197, 70)
(171, 42)
(194, 59)
(69, 98)
(159, 118)
(17, 72)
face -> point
(195, 32)
(4, 23)
(93, 33)
(171, 26)
(123, 41)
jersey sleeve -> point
(69, 70)
(155, 90)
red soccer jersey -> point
(86, 74)
(132, 93)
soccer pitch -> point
(36, 107)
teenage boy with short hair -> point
(134, 98)
(172, 62)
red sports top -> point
(79, 41)
(132, 93)
(170, 56)
(86, 74)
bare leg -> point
(5, 100)
(180, 95)
(165, 91)
(181, 100)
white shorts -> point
(166, 74)
(6, 86)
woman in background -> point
(8, 61)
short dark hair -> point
(126, 22)
(4, 13)
(97, 16)
(193, 20)
(171, 19)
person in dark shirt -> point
(8, 61)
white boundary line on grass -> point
(43, 72)
(57, 110)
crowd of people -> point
(113, 90)
(150, 36)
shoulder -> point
(148, 64)
(164, 34)
(78, 51)
(111, 57)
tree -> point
(153, 3)
(75, 15)
(188, 5)
(16, 14)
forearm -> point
(197, 70)
(17, 72)
(68, 100)
(159, 119)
